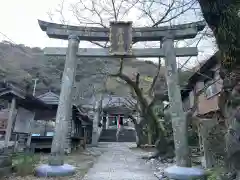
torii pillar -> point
(56, 166)
(182, 170)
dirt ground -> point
(82, 160)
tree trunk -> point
(149, 135)
(223, 18)
(158, 135)
(140, 139)
(145, 107)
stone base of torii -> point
(183, 169)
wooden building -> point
(79, 128)
(207, 83)
(15, 122)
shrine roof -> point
(52, 99)
(9, 91)
(200, 74)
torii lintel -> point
(104, 52)
(60, 31)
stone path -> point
(118, 162)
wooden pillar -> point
(104, 121)
(76, 129)
(11, 117)
(84, 137)
(107, 122)
(117, 117)
(30, 131)
(179, 122)
(65, 103)
(73, 127)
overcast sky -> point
(18, 20)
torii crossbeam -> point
(104, 53)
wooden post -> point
(179, 122)
(84, 137)
(11, 116)
(107, 122)
(116, 119)
(30, 132)
(16, 143)
(65, 103)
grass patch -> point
(24, 163)
(217, 173)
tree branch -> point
(133, 85)
(138, 79)
(150, 91)
(134, 120)
(60, 11)
(114, 10)
(165, 15)
(121, 66)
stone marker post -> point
(179, 122)
(65, 103)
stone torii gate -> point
(121, 36)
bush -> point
(24, 164)
(220, 173)
(213, 175)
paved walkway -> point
(119, 163)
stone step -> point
(121, 139)
(109, 135)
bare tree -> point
(144, 106)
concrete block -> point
(185, 173)
(46, 170)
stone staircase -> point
(109, 135)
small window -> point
(211, 90)
(217, 75)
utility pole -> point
(34, 87)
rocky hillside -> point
(21, 65)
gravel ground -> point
(158, 166)
(155, 164)
(82, 160)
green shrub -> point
(24, 164)
(216, 173)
